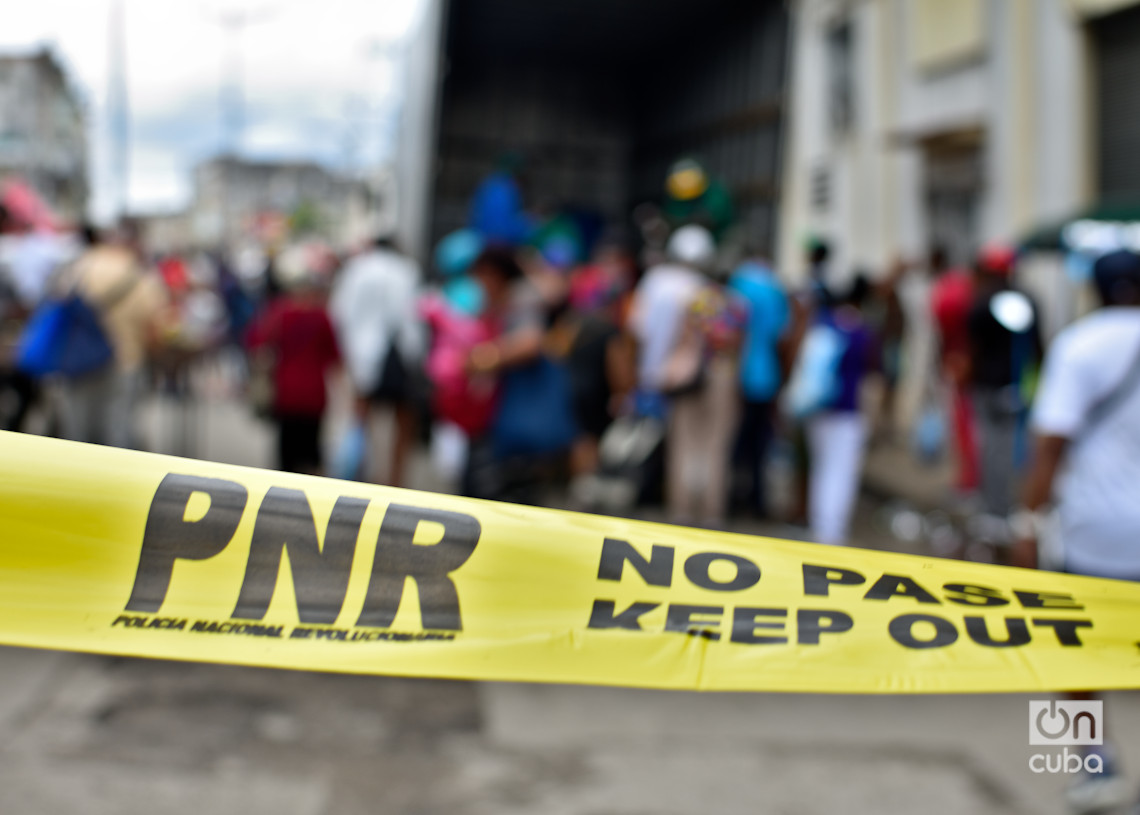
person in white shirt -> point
(29, 260)
(657, 312)
(1087, 421)
(373, 306)
(1087, 459)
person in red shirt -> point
(950, 301)
(296, 331)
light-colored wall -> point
(945, 32)
(1025, 90)
(1014, 70)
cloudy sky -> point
(320, 81)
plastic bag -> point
(348, 460)
(930, 435)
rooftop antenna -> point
(118, 110)
(231, 97)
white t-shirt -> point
(657, 314)
(373, 303)
(30, 260)
(1098, 492)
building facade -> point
(955, 123)
(232, 195)
(958, 122)
(43, 137)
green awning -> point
(1050, 237)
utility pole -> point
(231, 95)
(384, 116)
(118, 109)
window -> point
(820, 188)
(841, 76)
(946, 33)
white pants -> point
(448, 451)
(836, 441)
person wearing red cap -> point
(950, 299)
(1005, 350)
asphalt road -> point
(86, 734)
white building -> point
(43, 135)
(957, 122)
(916, 121)
(231, 196)
(960, 121)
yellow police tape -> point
(130, 553)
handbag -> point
(392, 386)
(684, 370)
(534, 415)
(261, 390)
(65, 335)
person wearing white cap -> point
(658, 308)
(689, 328)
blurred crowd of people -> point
(611, 366)
(89, 322)
(614, 365)
(619, 367)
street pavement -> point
(93, 734)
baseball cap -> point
(1114, 271)
(997, 259)
(687, 180)
(692, 245)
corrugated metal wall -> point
(600, 101)
(415, 171)
(572, 134)
(1118, 94)
(721, 101)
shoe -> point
(1099, 792)
(992, 530)
(1092, 795)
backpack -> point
(815, 381)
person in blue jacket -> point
(755, 282)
